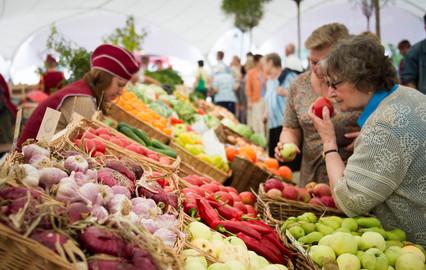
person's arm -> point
(410, 73)
(281, 91)
(249, 89)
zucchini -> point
(167, 152)
(142, 135)
(129, 133)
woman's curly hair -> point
(361, 60)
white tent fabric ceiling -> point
(186, 29)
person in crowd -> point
(309, 86)
(236, 69)
(275, 103)
(202, 81)
(255, 85)
(223, 89)
(111, 68)
(414, 71)
(403, 47)
(386, 175)
(291, 58)
(293, 67)
(140, 75)
(7, 116)
(52, 79)
(242, 97)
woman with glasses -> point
(386, 174)
(298, 127)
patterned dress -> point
(301, 96)
(387, 172)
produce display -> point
(225, 210)
(312, 193)
(165, 76)
(104, 210)
(246, 132)
(231, 252)
(354, 243)
(129, 102)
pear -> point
(287, 223)
(334, 219)
(392, 253)
(350, 224)
(319, 253)
(393, 243)
(359, 254)
(374, 259)
(326, 240)
(324, 229)
(343, 243)
(311, 238)
(308, 217)
(374, 239)
(348, 262)
(396, 234)
(374, 229)
(307, 227)
(343, 230)
(368, 222)
(330, 223)
(297, 231)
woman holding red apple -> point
(386, 174)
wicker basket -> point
(199, 165)
(22, 253)
(277, 211)
(121, 115)
(77, 129)
(247, 176)
(222, 133)
(99, 118)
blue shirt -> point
(374, 102)
(224, 83)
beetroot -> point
(99, 240)
(49, 238)
(108, 264)
(121, 168)
(112, 178)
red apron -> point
(78, 88)
(52, 80)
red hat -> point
(50, 59)
(114, 60)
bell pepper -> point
(207, 213)
(237, 227)
(174, 121)
(190, 206)
(261, 249)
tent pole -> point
(299, 46)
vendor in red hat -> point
(52, 79)
(112, 68)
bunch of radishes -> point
(313, 193)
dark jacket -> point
(415, 66)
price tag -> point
(48, 125)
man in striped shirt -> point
(275, 99)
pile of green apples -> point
(231, 252)
(354, 243)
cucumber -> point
(159, 145)
(142, 135)
(129, 133)
(167, 152)
(120, 125)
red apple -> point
(315, 201)
(310, 186)
(251, 212)
(322, 190)
(240, 206)
(224, 197)
(231, 189)
(274, 193)
(303, 195)
(321, 103)
(273, 183)
(211, 187)
(290, 193)
(247, 197)
(235, 196)
(328, 201)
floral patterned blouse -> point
(300, 98)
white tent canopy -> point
(186, 30)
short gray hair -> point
(361, 60)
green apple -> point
(359, 254)
(287, 223)
(343, 243)
(308, 217)
(350, 224)
(319, 253)
(392, 253)
(325, 241)
(374, 229)
(374, 240)
(235, 265)
(199, 230)
(393, 243)
(297, 231)
(368, 222)
(289, 151)
(409, 261)
(414, 250)
(396, 234)
(311, 238)
(374, 259)
(307, 227)
(204, 245)
(219, 266)
(194, 266)
(324, 229)
(362, 244)
(348, 262)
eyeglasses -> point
(334, 84)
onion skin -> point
(76, 164)
(51, 176)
